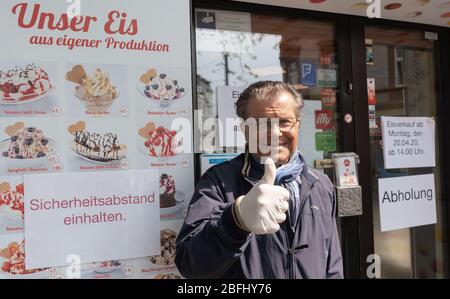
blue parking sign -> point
(309, 71)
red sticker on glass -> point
(328, 97)
(324, 119)
(325, 59)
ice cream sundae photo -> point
(167, 257)
(159, 141)
(12, 260)
(161, 88)
(26, 147)
(96, 147)
(20, 85)
(11, 200)
(166, 191)
(96, 91)
(171, 199)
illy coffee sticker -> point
(324, 119)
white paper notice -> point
(408, 142)
(226, 99)
(406, 201)
(97, 216)
(306, 139)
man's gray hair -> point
(264, 90)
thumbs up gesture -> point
(264, 206)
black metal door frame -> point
(357, 231)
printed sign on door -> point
(324, 119)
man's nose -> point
(273, 135)
(275, 130)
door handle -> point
(350, 87)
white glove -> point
(264, 206)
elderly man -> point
(253, 218)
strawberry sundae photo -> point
(159, 141)
(24, 84)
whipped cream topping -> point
(99, 85)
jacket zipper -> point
(291, 247)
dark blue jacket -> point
(211, 245)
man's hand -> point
(264, 206)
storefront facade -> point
(406, 62)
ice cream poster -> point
(92, 96)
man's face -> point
(284, 136)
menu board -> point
(96, 91)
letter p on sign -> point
(374, 9)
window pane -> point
(300, 52)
